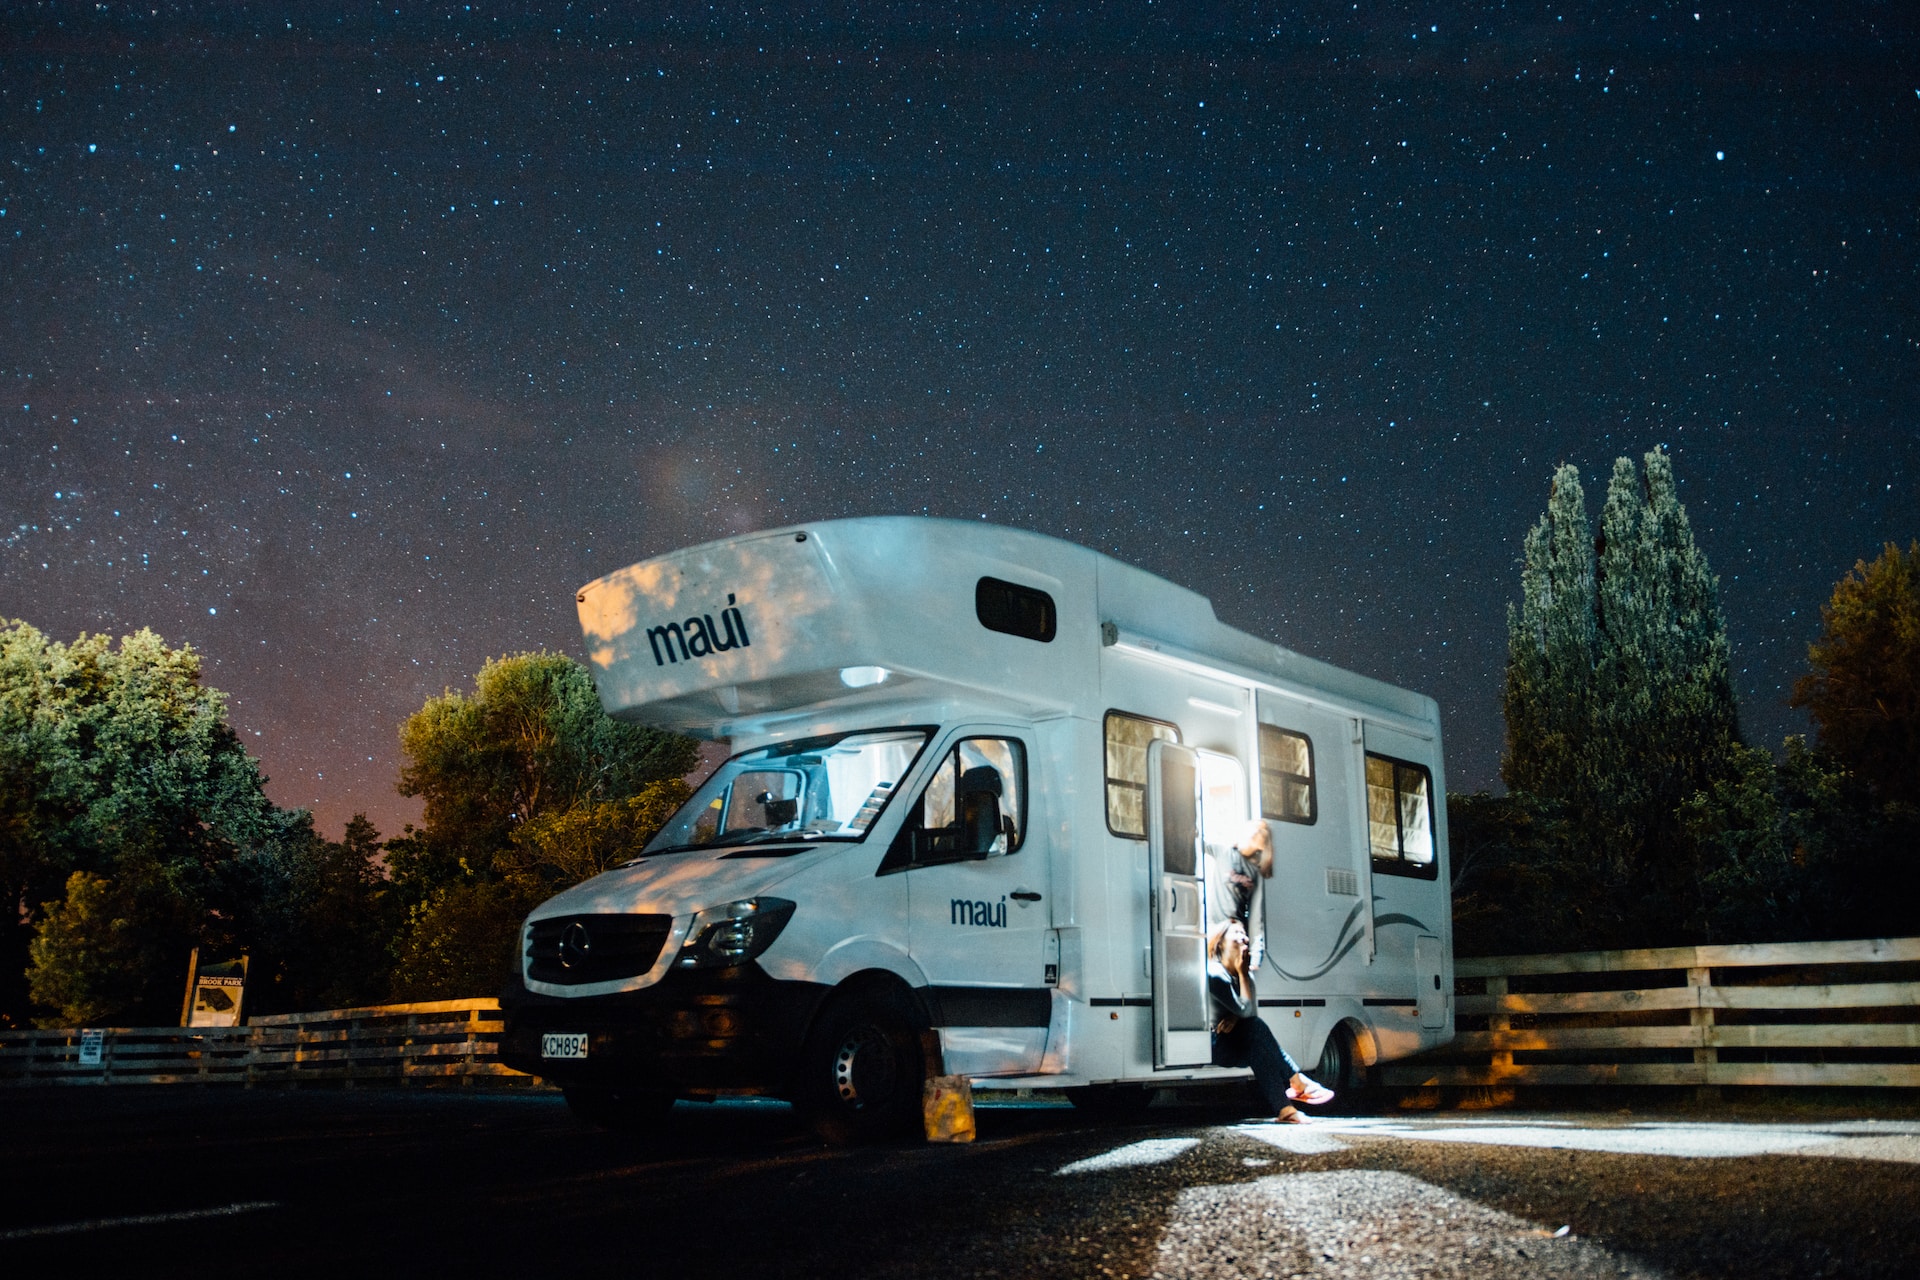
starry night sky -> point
(346, 349)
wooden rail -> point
(1798, 1013)
(439, 1042)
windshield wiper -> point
(779, 837)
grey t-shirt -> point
(1227, 1000)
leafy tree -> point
(86, 947)
(1619, 701)
(1864, 688)
(529, 787)
(119, 764)
(1799, 850)
(325, 924)
(1520, 884)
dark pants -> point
(1251, 1044)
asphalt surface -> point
(182, 1181)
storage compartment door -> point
(1428, 958)
(1182, 1030)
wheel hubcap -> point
(861, 1067)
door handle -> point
(1024, 895)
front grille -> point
(571, 950)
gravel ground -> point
(383, 1183)
(1367, 1225)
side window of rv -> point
(1286, 775)
(1127, 740)
(974, 806)
(1400, 818)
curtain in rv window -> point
(1400, 817)
(1127, 741)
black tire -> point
(622, 1109)
(1339, 1069)
(1110, 1101)
(862, 1070)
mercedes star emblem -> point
(575, 945)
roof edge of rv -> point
(811, 527)
(1185, 659)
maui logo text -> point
(984, 915)
(697, 637)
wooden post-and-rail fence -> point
(1800, 1014)
(1795, 1013)
(436, 1042)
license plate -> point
(563, 1045)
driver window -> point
(974, 806)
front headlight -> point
(735, 933)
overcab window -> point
(1400, 818)
(1014, 610)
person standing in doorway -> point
(1237, 884)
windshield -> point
(826, 788)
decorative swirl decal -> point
(1340, 949)
(1397, 918)
(1346, 943)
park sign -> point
(214, 992)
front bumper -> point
(695, 1032)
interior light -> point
(861, 677)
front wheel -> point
(862, 1070)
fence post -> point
(1705, 1055)
(1498, 1020)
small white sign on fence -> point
(91, 1043)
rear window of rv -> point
(1400, 818)
(1014, 610)
(1127, 740)
(1286, 775)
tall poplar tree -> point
(1619, 700)
(1551, 648)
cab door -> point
(1182, 1022)
(975, 861)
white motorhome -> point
(978, 774)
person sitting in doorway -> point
(1241, 1039)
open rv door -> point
(1182, 1032)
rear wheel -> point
(1110, 1101)
(621, 1108)
(862, 1070)
(1339, 1069)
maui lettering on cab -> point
(697, 637)
(983, 915)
